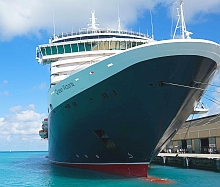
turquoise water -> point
(34, 169)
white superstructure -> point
(71, 52)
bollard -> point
(164, 160)
(217, 161)
(187, 162)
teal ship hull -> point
(118, 114)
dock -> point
(189, 160)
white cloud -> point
(21, 122)
(215, 108)
(19, 130)
(196, 10)
(4, 93)
(8, 138)
(41, 86)
(213, 97)
(5, 82)
(217, 78)
(22, 142)
(15, 108)
(31, 107)
(30, 16)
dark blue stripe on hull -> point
(122, 118)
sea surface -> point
(34, 169)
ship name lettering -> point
(59, 91)
(67, 86)
(63, 88)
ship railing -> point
(92, 31)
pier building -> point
(200, 135)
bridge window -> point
(101, 46)
(88, 46)
(95, 46)
(128, 45)
(81, 47)
(67, 48)
(74, 47)
(117, 45)
(106, 45)
(43, 51)
(60, 49)
(54, 50)
(112, 45)
(122, 45)
(48, 50)
(134, 44)
(139, 43)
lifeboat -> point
(43, 134)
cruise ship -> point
(117, 97)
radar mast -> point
(181, 23)
(93, 25)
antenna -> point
(119, 21)
(182, 21)
(171, 29)
(54, 28)
(152, 26)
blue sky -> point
(24, 24)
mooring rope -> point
(207, 84)
(212, 99)
(189, 126)
(191, 87)
(181, 85)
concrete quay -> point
(189, 160)
(190, 155)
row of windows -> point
(87, 46)
(94, 37)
